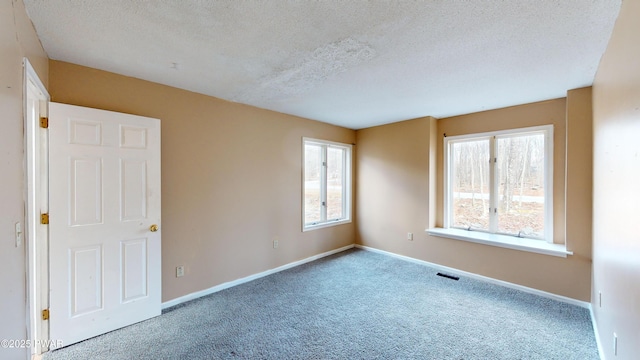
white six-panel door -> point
(104, 200)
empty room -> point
(330, 179)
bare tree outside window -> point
(497, 183)
(470, 181)
(326, 183)
(312, 172)
(335, 177)
(520, 166)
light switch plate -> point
(18, 234)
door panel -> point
(133, 190)
(104, 197)
(133, 254)
(86, 279)
(84, 132)
(85, 191)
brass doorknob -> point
(153, 228)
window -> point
(501, 183)
(326, 183)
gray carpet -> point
(355, 305)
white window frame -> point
(347, 198)
(547, 130)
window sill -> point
(509, 242)
(325, 225)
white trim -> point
(347, 198)
(324, 142)
(596, 333)
(548, 185)
(503, 241)
(226, 285)
(326, 224)
(31, 74)
(506, 284)
(514, 131)
(36, 242)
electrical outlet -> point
(615, 344)
(275, 243)
(180, 271)
(410, 236)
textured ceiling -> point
(346, 62)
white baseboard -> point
(595, 331)
(243, 280)
(529, 290)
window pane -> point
(470, 184)
(335, 183)
(312, 174)
(520, 172)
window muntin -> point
(501, 182)
(326, 183)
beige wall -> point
(231, 177)
(231, 183)
(392, 188)
(17, 40)
(616, 189)
(394, 183)
(579, 172)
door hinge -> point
(44, 122)
(44, 219)
(45, 314)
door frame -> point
(36, 199)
